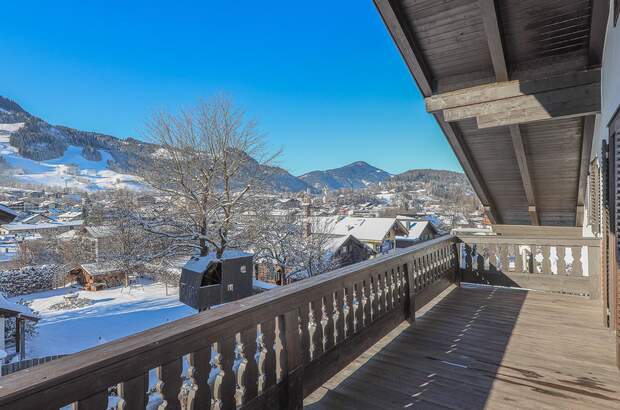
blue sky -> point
(323, 78)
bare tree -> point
(292, 244)
(207, 173)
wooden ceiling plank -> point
(488, 10)
(396, 22)
(524, 169)
(598, 23)
(466, 160)
(586, 150)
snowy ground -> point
(115, 313)
(71, 170)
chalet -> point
(347, 249)
(97, 276)
(7, 214)
(374, 232)
(419, 231)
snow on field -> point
(71, 170)
(114, 313)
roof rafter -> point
(392, 16)
(524, 169)
(488, 10)
(403, 37)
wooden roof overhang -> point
(515, 87)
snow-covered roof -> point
(201, 263)
(98, 269)
(101, 231)
(364, 229)
(5, 209)
(50, 225)
(70, 215)
(15, 309)
(416, 229)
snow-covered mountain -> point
(356, 175)
(40, 153)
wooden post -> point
(20, 338)
(410, 301)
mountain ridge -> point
(25, 137)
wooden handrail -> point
(318, 326)
(562, 261)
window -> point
(231, 287)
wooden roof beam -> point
(528, 186)
(509, 89)
(586, 150)
(401, 33)
(488, 11)
(469, 167)
(599, 14)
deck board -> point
(485, 348)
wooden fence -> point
(10, 368)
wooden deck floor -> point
(486, 348)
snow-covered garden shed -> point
(207, 280)
(97, 276)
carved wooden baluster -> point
(199, 396)
(577, 267)
(267, 355)
(534, 258)
(546, 262)
(389, 303)
(396, 286)
(523, 264)
(294, 365)
(328, 322)
(374, 299)
(349, 322)
(98, 401)
(480, 258)
(469, 257)
(561, 262)
(380, 294)
(132, 393)
(366, 303)
(224, 384)
(169, 384)
(339, 316)
(493, 258)
(316, 345)
(247, 373)
(304, 332)
(280, 350)
(436, 265)
(416, 274)
(359, 306)
(503, 257)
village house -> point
(378, 233)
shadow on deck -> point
(483, 347)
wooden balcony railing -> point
(265, 351)
(542, 258)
